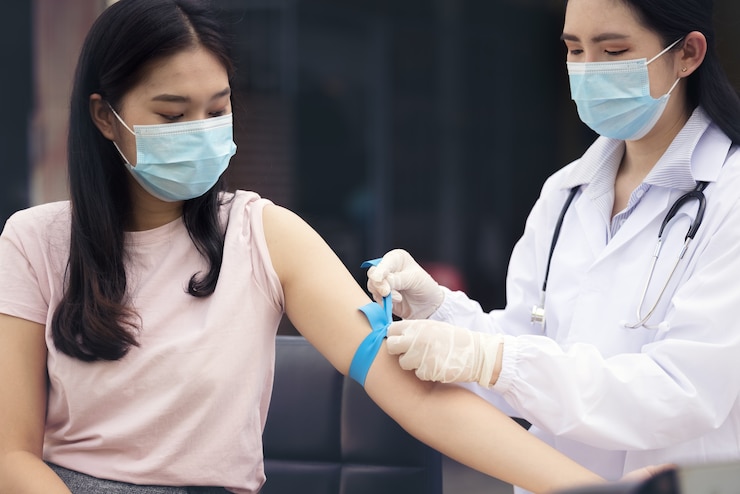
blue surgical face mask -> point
(613, 98)
(183, 160)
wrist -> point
(491, 351)
(436, 303)
(499, 363)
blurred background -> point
(423, 124)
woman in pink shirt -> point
(137, 319)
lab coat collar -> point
(696, 154)
(597, 165)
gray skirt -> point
(80, 483)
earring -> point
(684, 69)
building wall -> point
(59, 30)
(384, 123)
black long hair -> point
(708, 86)
(93, 320)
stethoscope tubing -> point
(538, 312)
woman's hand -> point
(644, 473)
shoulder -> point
(239, 200)
(273, 231)
(558, 186)
(34, 249)
(561, 179)
(244, 207)
(293, 243)
(242, 210)
(49, 212)
(42, 221)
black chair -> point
(325, 436)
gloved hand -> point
(414, 292)
(645, 473)
(439, 351)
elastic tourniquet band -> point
(380, 318)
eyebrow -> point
(176, 98)
(596, 39)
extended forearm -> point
(465, 427)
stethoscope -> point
(538, 311)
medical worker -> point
(620, 354)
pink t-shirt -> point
(186, 407)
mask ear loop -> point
(120, 119)
(678, 79)
(664, 50)
(127, 128)
(674, 86)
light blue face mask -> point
(181, 161)
(613, 98)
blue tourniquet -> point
(380, 317)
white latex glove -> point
(414, 292)
(439, 351)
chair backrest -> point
(324, 435)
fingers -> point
(397, 328)
(644, 473)
(395, 260)
(377, 284)
(398, 340)
(391, 276)
(417, 279)
(401, 336)
(392, 262)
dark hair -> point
(93, 320)
(709, 86)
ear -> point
(102, 116)
(692, 53)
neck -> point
(641, 156)
(148, 212)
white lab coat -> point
(616, 399)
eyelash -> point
(610, 53)
(174, 118)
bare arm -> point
(23, 409)
(322, 300)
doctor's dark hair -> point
(93, 320)
(708, 85)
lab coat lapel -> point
(707, 159)
(594, 173)
(593, 224)
(652, 207)
(595, 221)
(593, 207)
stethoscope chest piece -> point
(538, 315)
